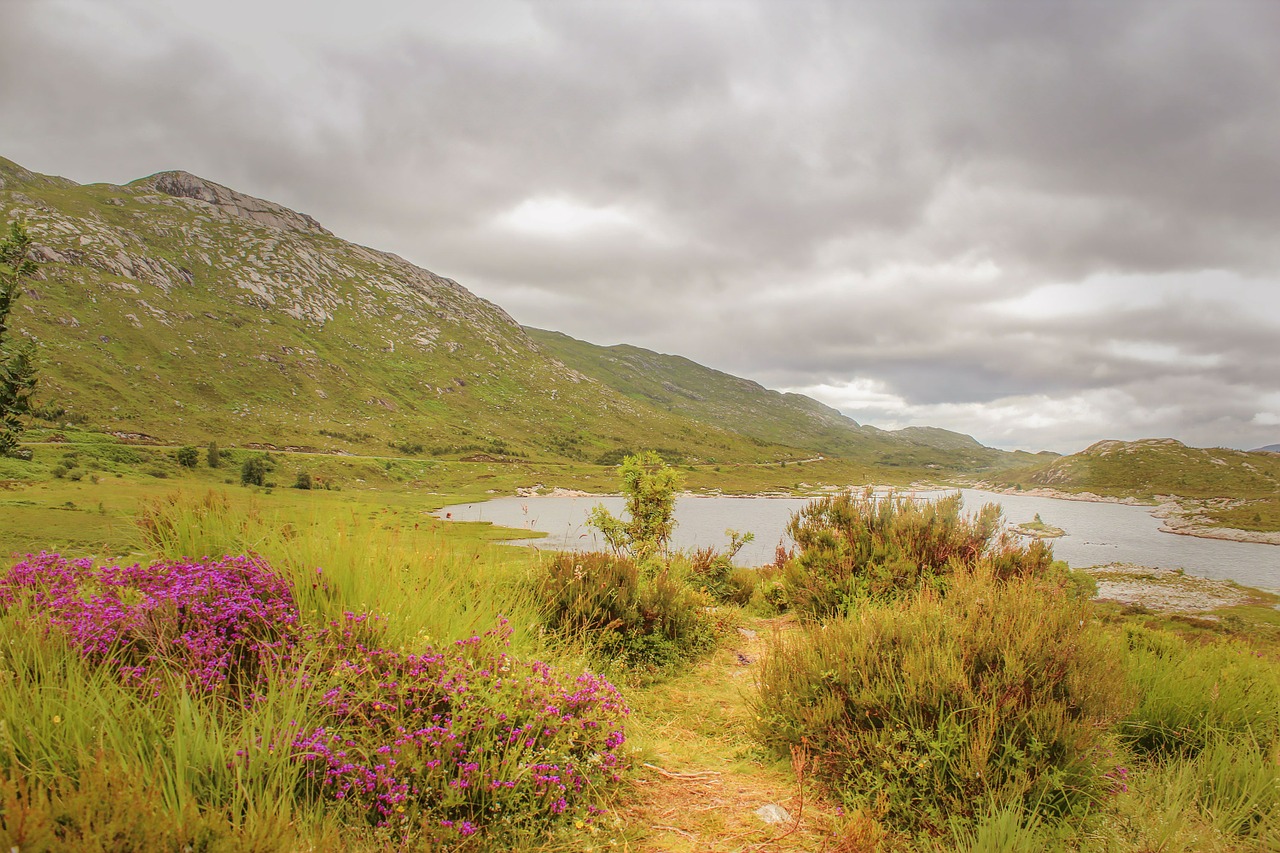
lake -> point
(1096, 533)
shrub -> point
(408, 448)
(303, 481)
(459, 740)
(212, 455)
(219, 622)
(253, 472)
(713, 571)
(612, 457)
(633, 618)
(935, 708)
(855, 546)
(187, 456)
(649, 487)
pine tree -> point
(17, 365)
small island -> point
(1036, 528)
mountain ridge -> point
(179, 307)
(712, 396)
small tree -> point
(17, 366)
(254, 470)
(213, 456)
(303, 481)
(649, 487)
(187, 456)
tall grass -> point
(90, 752)
(340, 560)
(1191, 694)
(83, 750)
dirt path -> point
(704, 779)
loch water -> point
(1096, 533)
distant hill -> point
(1158, 466)
(1270, 448)
(179, 309)
(712, 397)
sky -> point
(1039, 223)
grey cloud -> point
(887, 148)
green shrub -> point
(649, 486)
(187, 456)
(769, 597)
(854, 546)
(303, 481)
(713, 571)
(253, 471)
(935, 708)
(626, 615)
(212, 456)
(1189, 694)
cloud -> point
(1040, 223)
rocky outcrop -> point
(231, 203)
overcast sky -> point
(1040, 223)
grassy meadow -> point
(335, 668)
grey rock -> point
(239, 205)
(773, 813)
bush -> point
(212, 456)
(934, 709)
(635, 619)
(303, 481)
(714, 572)
(460, 740)
(856, 546)
(253, 472)
(187, 456)
(218, 622)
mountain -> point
(712, 398)
(179, 309)
(1270, 448)
(1156, 466)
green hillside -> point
(1242, 488)
(1156, 466)
(178, 309)
(711, 397)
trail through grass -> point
(701, 779)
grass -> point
(1146, 469)
(85, 762)
(1261, 514)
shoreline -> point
(1171, 591)
(1179, 518)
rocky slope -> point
(180, 309)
